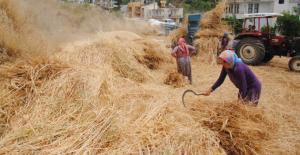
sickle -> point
(189, 90)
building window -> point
(256, 8)
(250, 8)
(230, 8)
(236, 8)
(281, 1)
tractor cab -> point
(256, 21)
(261, 25)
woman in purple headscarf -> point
(240, 75)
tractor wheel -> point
(268, 57)
(294, 63)
(251, 51)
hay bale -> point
(175, 79)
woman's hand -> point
(207, 92)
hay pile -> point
(211, 29)
(175, 79)
(241, 129)
(20, 82)
(180, 32)
(4, 57)
(93, 108)
(151, 57)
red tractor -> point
(257, 43)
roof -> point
(253, 15)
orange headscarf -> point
(183, 46)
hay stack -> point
(180, 32)
(151, 55)
(175, 79)
(211, 29)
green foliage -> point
(201, 5)
(289, 25)
(236, 24)
(125, 1)
(272, 29)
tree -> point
(202, 5)
(288, 25)
(124, 2)
(236, 24)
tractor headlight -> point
(275, 40)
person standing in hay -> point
(240, 75)
(182, 54)
(224, 42)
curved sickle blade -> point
(187, 91)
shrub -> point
(289, 25)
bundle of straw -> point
(175, 79)
(211, 29)
(180, 32)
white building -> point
(240, 7)
(146, 9)
(106, 4)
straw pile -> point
(4, 57)
(175, 79)
(211, 29)
(151, 57)
(241, 129)
(93, 108)
(180, 32)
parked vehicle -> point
(255, 46)
(169, 23)
(193, 26)
(154, 22)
